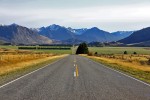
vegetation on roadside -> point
(120, 50)
(82, 49)
(44, 48)
(135, 65)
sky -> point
(109, 15)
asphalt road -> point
(59, 81)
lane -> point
(106, 84)
(57, 82)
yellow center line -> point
(77, 71)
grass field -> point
(120, 50)
(55, 51)
(100, 50)
(9, 47)
(42, 50)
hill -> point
(95, 34)
(56, 32)
(122, 34)
(142, 35)
(16, 34)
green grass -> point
(46, 51)
(100, 50)
(8, 47)
(120, 50)
(55, 51)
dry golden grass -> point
(134, 61)
(12, 60)
(124, 63)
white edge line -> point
(121, 73)
(28, 74)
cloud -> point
(100, 16)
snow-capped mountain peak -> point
(77, 31)
(54, 27)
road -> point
(75, 78)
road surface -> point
(75, 78)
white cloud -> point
(78, 16)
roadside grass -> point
(120, 50)
(135, 69)
(14, 63)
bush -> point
(134, 53)
(125, 52)
(82, 49)
(149, 61)
(96, 53)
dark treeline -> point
(44, 48)
(64, 45)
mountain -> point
(122, 34)
(66, 35)
(77, 31)
(141, 44)
(21, 35)
(95, 34)
(142, 35)
(72, 41)
(56, 32)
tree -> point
(125, 52)
(82, 49)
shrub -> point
(142, 62)
(125, 52)
(134, 53)
(149, 61)
(96, 53)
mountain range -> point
(17, 34)
(139, 36)
(64, 34)
(56, 32)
